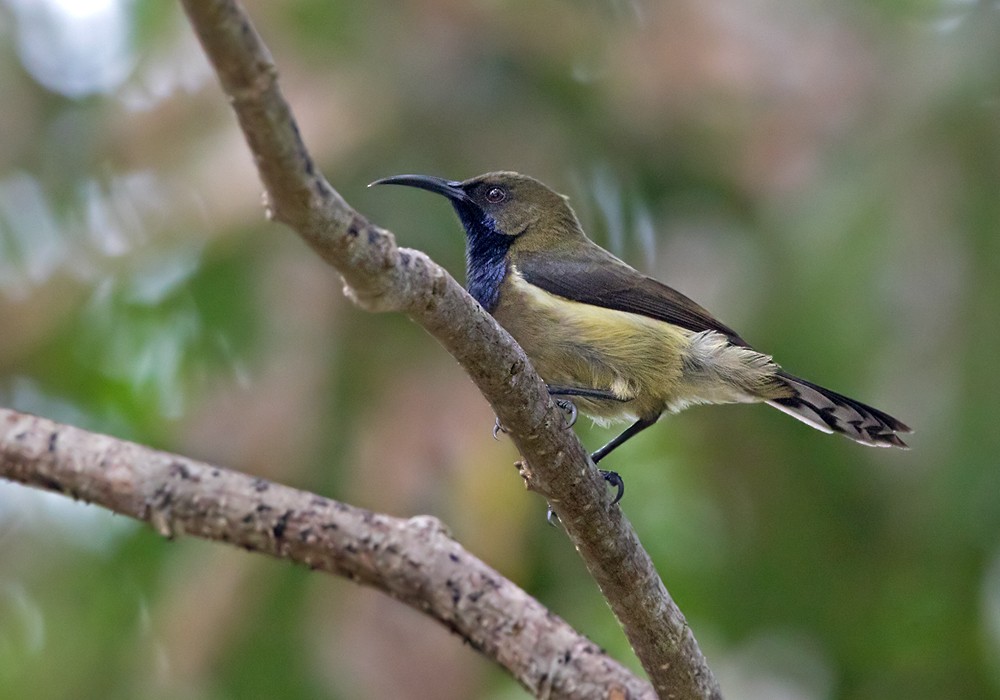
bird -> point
(620, 344)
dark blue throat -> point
(485, 255)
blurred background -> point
(825, 177)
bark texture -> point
(414, 560)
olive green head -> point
(527, 214)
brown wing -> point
(594, 276)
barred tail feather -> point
(834, 413)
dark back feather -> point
(591, 275)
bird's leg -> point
(626, 434)
(604, 394)
(614, 478)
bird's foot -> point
(565, 405)
(497, 429)
(614, 479)
(568, 408)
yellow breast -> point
(580, 345)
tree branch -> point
(382, 277)
(415, 560)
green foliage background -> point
(824, 176)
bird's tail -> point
(833, 413)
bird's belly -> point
(578, 345)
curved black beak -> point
(449, 188)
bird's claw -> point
(497, 429)
(569, 408)
(565, 405)
(614, 479)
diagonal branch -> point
(380, 276)
(414, 560)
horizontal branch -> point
(414, 560)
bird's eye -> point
(496, 195)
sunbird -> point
(624, 346)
